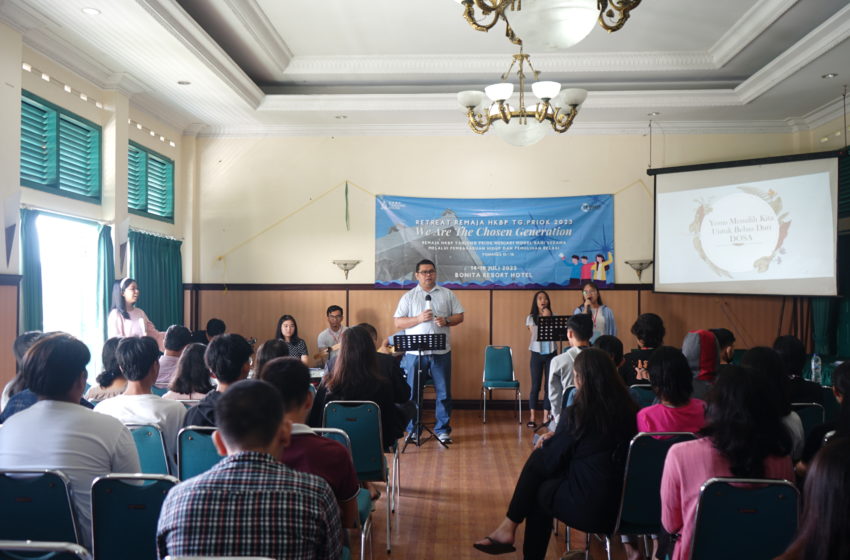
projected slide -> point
(769, 236)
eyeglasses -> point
(427, 272)
(334, 316)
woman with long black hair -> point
(600, 314)
(287, 330)
(744, 437)
(576, 474)
(125, 319)
(541, 355)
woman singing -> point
(541, 354)
(602, 316)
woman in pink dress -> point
(744, 437)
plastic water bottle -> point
(816, 369)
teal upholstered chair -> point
(499, 374)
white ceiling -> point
(294, 67)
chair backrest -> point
(36, 505)
(361, 420)
(831, 408)
(151, 447)
(159, 390)
(189, 403)
(757, 520)
(498, 364)
(43, 550)
(811, 415)
(125, 511)
(643, 394)
(195, 451)
(640, 506)
(335, 434)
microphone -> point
(428, 302)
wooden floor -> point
(453, 497)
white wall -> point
(271, 210)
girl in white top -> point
(126, 319)
(541, 354)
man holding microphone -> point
(430, 309)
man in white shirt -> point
(431, 309)
(137, 358)
(328, 340)
(561, 373)
(58, 433)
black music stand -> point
(419, 343)
(552, 329)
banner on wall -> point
(496, 243)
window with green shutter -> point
(150, 183)
(60, 151)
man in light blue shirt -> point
(418, 315)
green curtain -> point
(105, 274)
(156, 264)
(33, 315)
(823, 324)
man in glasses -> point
(431, 309)
(328, 340)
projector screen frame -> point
(654, 172)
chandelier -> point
(521, 125)
(548, 24)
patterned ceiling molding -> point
(461, 129)
(752, 24)
(182, 27)
(824, 37)
(256, 25)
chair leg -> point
(484, 394)
(519, 406)
(608, 545)
(587, 546)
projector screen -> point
(754, 229)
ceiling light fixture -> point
(548, 24)
(521, 125)
(829, 76)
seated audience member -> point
(390, 368)
(612, 346)
(561, 376)
(703, 354)
(250, 504)
(793, 354)
(726, 343)
(355, 377)
(649, 332)
(671, 381)
(110, 382)
(825, 524)
(328, 340)
(768, 361)
(576, 473)
(228, 358)
(743, 437)
(191, 381)
(215, 327)
(837, 428)
(177, 337)
(137, 358)
(58, 433)
(268, 351)
(287, 330)
(19, 348)
(307, 451)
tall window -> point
(69, 280)
(150, 183)
(60, 151)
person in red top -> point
(307, 451)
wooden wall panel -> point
(8, 331)
(255, 313)
(754, 320)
